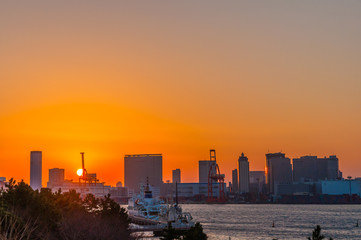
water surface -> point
(251, 221)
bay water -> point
(254, 221)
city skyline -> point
(178, 78)
(203, 166)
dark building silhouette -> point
(257, 180)
(278, 170)
(203, 168)
(56, 177)
(142, 167)
(35, 170)
(176, 174)
(312, 168)
(234, 181)
(243, 170)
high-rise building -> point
(243, 170)
(257, 180)
(176, 174)
(312, 168)
(35, 169)
(307, 168)
(203, 168)
(333, 171)
(142, 167)
(257, 177)
(56, 177)
(234, 180)
(278, 170)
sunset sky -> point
(110, 78)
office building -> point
(257, 181)
(56, 177)
(312, 168)
(257, 177)
(333, 171)
(278, 170)
(119, 194)
(35, 169)
(188, 190)
(295, 188)
(176, 174)
(234, 185)
(139, 168)
(99, 190)
(339, 187)
(243, 170)
(203, 168)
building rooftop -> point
(142, 155)
(275, 155)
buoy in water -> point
(357, 223)
(273, 224)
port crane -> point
(85, 177)
(215, 176)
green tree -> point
(91, 203)
(108, 207)
(26, 206)
(195, 233)
(69, 202)
(35, 215)
(316, 234)
(169, 233)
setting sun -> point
(79, 172)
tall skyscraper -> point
(56, 177)
(35, 169)
(243, 170)
(176, 174)
(257, 177)
(278, 170)
(312, 168)
(307, 168)
(256, 181)
(235, 181)
(137, 168)
(333, 171)
(203, 168)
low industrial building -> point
(339, 187)
(189, 190)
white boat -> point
(144, 209)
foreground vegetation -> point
(316, 234)
(29, 214)
(194, 233)
(42, 215)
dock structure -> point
(142, 221)
(141, 224)
(157, 228)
